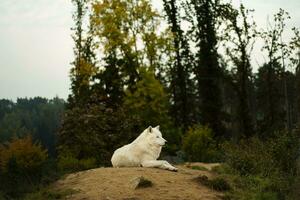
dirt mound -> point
(117, 184)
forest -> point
(189, 68)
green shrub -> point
(201, 168)
(24, 154)
(21, 166)
(88, 163)
(248, 157)
(266, 169)
(94, 131)
(199, 145)
(247, 187)
(218, 183)
(266, 158)
(49, 194)
(69, 163)
(266, 196)
(1, 196)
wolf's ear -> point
(157, 127)
(150, 129)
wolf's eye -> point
(157, 136)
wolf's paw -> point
(173, 169)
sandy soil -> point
(116, 184)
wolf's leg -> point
(159, 164)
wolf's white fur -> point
(143, 151)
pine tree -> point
(298, 91)
(84, 64)
(277, 52)
(270, 98)
(181, 84)
(295, 60)
(207, 70)
(297, 82)
(239, 38)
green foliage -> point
(182, 87)
(174, 137)
(199, 168)
(245, 187)
(49, 194)
(218, 183)
(21, 166)
(238, 37)
(251, 187)
(84, 63)
(94, 132)
(202, 15)
(267, 169)
(38, 116)
(129, 37)
(5, 107)
(249, 157)
(148, 102)
(270, 98)
(199, 144)
(68, 163)
(27, 157)
(1, 196)
(254, 156)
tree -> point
(149, 102)
(127, 35)
(291, 85)
(208, 73)
(38, 116)
(119, 27)
(48, 122)
(298, 91)
(181, 85)
(239, 36)
(12, 125)
(270, 98)
(295, 60)
(5, 107)
(277, 50)
(199, 144)
(21, 165)
(83, 65)
(149, 105)
(94, 132)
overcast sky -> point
(36, 46)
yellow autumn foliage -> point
(28, 156)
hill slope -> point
(118, 184)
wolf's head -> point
(154, 136)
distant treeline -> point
(37, 117)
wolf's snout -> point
(164, 143)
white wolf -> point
(143, 151)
